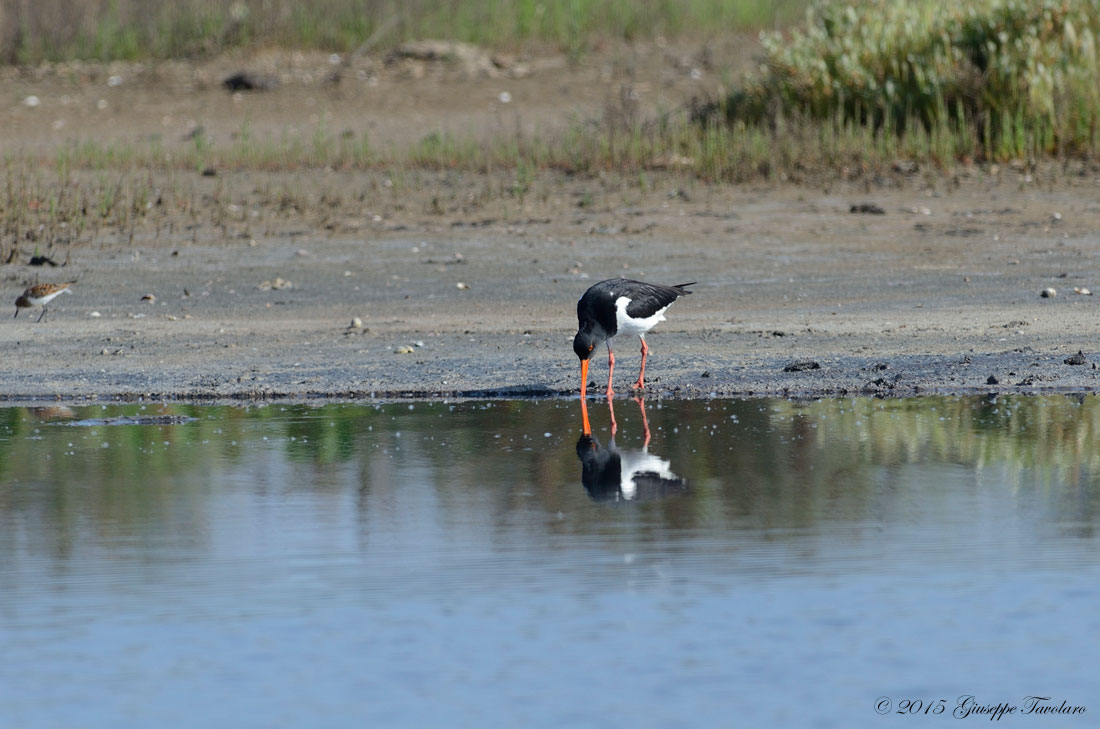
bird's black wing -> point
(646, 299)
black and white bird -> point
(620, 306)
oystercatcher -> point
(620, 306)
(41, 295)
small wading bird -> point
(619, 306)
(40, 295)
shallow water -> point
(773, 563)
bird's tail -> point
(681, 289)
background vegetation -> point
(992, 79)
(854, 90)
(38, 30)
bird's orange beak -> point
(584, 392)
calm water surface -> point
(758, 563)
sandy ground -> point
(937, 294)
(384, 98)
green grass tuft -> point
(998, 79)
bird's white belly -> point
(628, 325)
(43, 300)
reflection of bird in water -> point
(610, 474)
(53, 412)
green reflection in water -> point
(764, 465)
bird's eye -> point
(591, 347)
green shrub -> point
(1018, 77)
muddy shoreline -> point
(938, 294)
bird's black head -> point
(584, 343)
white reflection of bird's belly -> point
(636, 463)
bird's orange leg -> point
(584, 392)
(610, 371)
(640, 384)
(614, 425)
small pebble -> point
(278, 284)
(150, 298)
(1082, 291)
(356, 323)
(404, 349)
(1048, 293)
(462, 286)
(95, 315)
